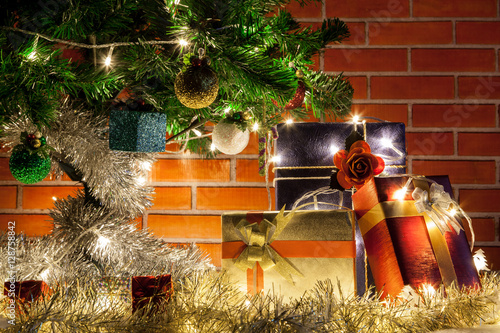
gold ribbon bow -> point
(258, 238)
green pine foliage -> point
(255, 47)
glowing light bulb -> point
(212, 147)
(276, 159)
(289, 121)
(428, 290)
(145, 165)
(45, 274)
(183, 42)
(195, 131)
(255, 127)
(400, 194)
(102, 242)
(453, 211)
(386, 142)
(355, 119)
(107, 61)
(141, 180)
(54, 198)
(334, 149)
(226, 111)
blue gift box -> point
(306, 152)
(137, 131)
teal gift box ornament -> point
(136, 129)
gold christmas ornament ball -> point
(229, 139)
(197, 87)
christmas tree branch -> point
(89, 46)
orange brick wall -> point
(432, 64)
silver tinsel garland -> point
(115, 179)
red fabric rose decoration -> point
(358, 166)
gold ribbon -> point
(393, 209)
(258, 237)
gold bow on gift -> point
(436, 205)
(258, 238)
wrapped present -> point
(306, 153)
(151, 292)
(411, 235)
(137, 131)
(116, 287)
(26, 291)
(288, 253)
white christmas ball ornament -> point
(229, 139)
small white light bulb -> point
(226, 110)
(195, 131)
(145, 165)
(54, 198)
(400, 194)
(102, 242)
(212, 147)
(183, 42)
(107, 61)
(453, 211)
(289, 121)
(334, 149)
(276, 159)
(255, 127)
(141, 180)
(355, 119)
(386, 142)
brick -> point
(479, 87)
(479, 144)
(454, 8)
(492, 254)
(484, 230)
(460, 172)
(359, 83)
(391, 112)
(9, 197)
(185, 226)
(363, 60)
(42, 197)
(30, 225)
(248, 171)
(412, 87)
(452, 60)
(478, 33)
(453, 115)
(480, 200)
(430, 143)
(4, 169)
(232, 198)
(312, 10)
(358, 35)
(212, 251)
(410, 33)
(172, 198)
(382, 10)
(190, 170)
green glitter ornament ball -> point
(27, 167)
(197, 86)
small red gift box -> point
(405, 247)
(150, 291)
(26, 291)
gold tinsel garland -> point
(207, 302)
